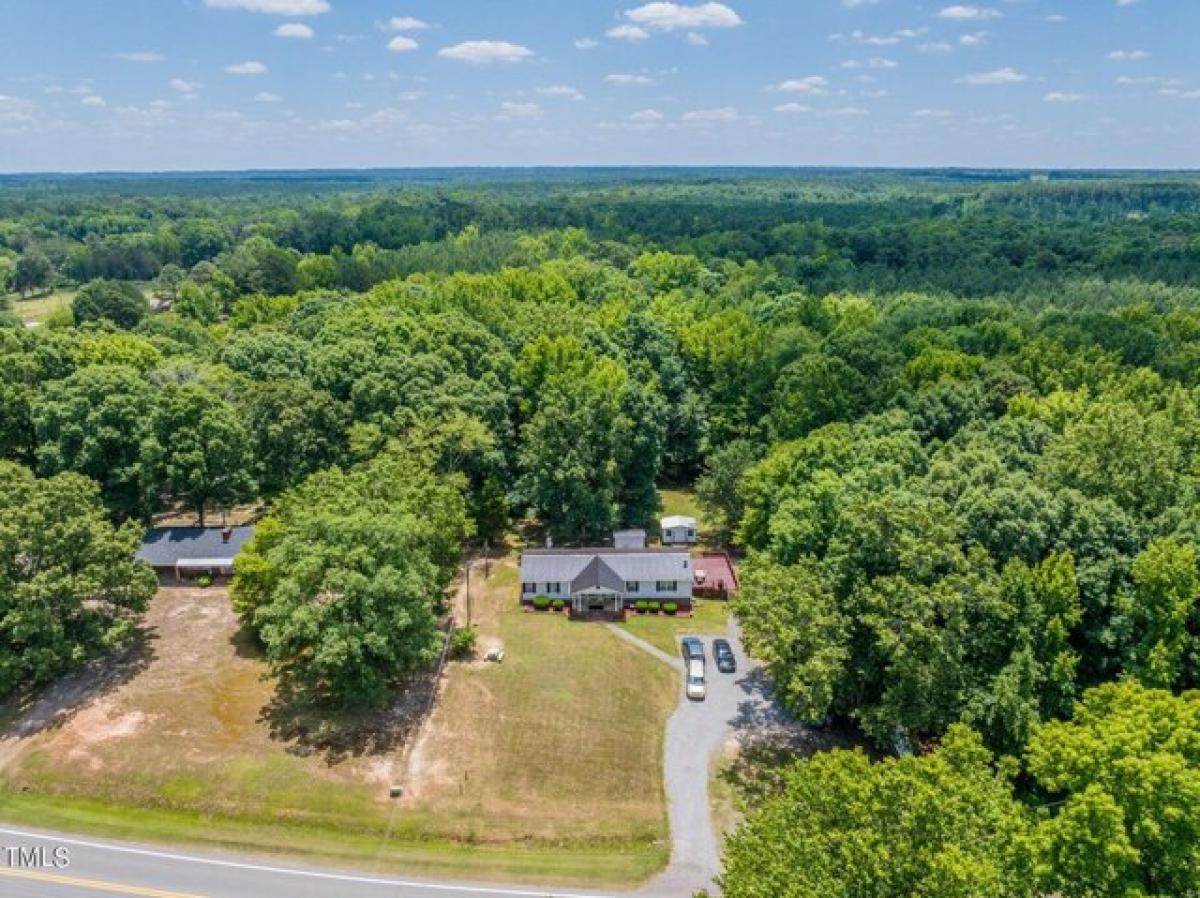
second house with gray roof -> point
(607, 581)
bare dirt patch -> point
(187, 723)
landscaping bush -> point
(640, 605)
(653, 607)
(670, 607)
(541, 603)
(462, 643)
(204, 581)
(559, 604)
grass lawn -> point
(546, 768)
(41, 307)
(709, 617)
(562, 741)
(680, 502)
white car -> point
(695, 680)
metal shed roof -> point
(677, 520)
(169, 546)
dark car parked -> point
(693, 649)
(723, 652)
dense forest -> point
(950, 420)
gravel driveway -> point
(737, 705)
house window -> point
(553, 588)
(528, 588)
(691, 533)
(666, 585)
(632, 585)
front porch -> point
(597, 603)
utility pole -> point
(468, 591)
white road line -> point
(286, 871)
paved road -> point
(736, 705)
(98, 867)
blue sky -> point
(217, 84)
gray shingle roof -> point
(167, 546)
(597, 575)
(624, 565)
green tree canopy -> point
(97, 422)
(345, 583)
(942, 826)
(201, 451)
(120, 302)
(1126, 772)
(69, 584)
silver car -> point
(695, 680)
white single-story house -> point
(188, 552)
(607, 581)
(629, 539)
(678, 530)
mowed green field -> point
(562, 741)
(41, 307)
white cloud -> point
(665, 16)
(973, 39)
(141, 56)
(854, 4)
(560, 91)
(1179, 93)
(961, 13)
(485, 52)
(933, 113)
(510, 110)
(628, 80)
(274, 7)
(92, 100)
(1126, 2)
(1128, 55)
(711, 116)
(696, 39)
(877, 62)
(407, 23)
(586, 43)
(811, 84)
(1128, 80)
(881, 40)
(402, 44)
(295, 31)
(646, 116)
(792, 108)
(1056, 18)
(1006, 75)
(848, 111)
(1058, 96)
(628, 33)
(184, 87)
(267, 97)
(935, 47)
(246, 68)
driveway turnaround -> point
(737, 705)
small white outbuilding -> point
(678, 530)
(629, 539)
